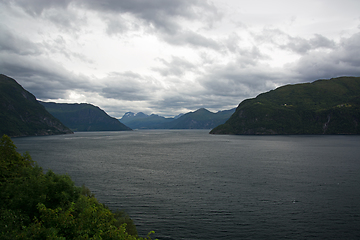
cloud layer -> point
(168, 57)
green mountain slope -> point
(22, 115)
(84, 117)
(200, 119)
(321, 107)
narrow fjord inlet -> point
(187, 184)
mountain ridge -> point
(21, 114)
(320, 107)
(199, 119)
(84, 117)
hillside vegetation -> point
(37, 205)
(199, 119)
(22, 115)
(321, 107)
(84, 117)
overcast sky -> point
(174, 56)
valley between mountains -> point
(321, 107)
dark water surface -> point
(188, 184)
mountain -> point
(177, 116)
(84, 117)
(321, 107)
(200, 119)
(143, 121)
(22, 115)
(130, 116)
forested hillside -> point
(37, 205)
(201, 119)
(321, 107)
(22, 115)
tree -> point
(35, 205)
(11, 162)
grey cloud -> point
(241, 83)
(42, 77)
(184, 96)
(9, 42)
(58, 44)
(219, 85)
(245, 77)
(176, 67)
(129, 86)
(246, 81)
(319, 41)
(156, 12)
(117, 24)
(245, 55)
(190, 38)
(178, 103)
(67, 20)
(295, 44)
(250, 56)
(56, 11)
(36, 7)
(302, 46)
(344, 60)
(298, 45)
(20, 56)
(182, 102)
(349, 51)
(161, 17)
(232, 42)
(160, 14)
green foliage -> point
(322, 107)
(11, 162)
(121, 218)
(35, 205)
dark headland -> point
(321, 107)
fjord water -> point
(188, 184)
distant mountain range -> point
(321, 107)
(143, 121)
(84, 117)
(22, 115)
(200, 119)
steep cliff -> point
(22, 115)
